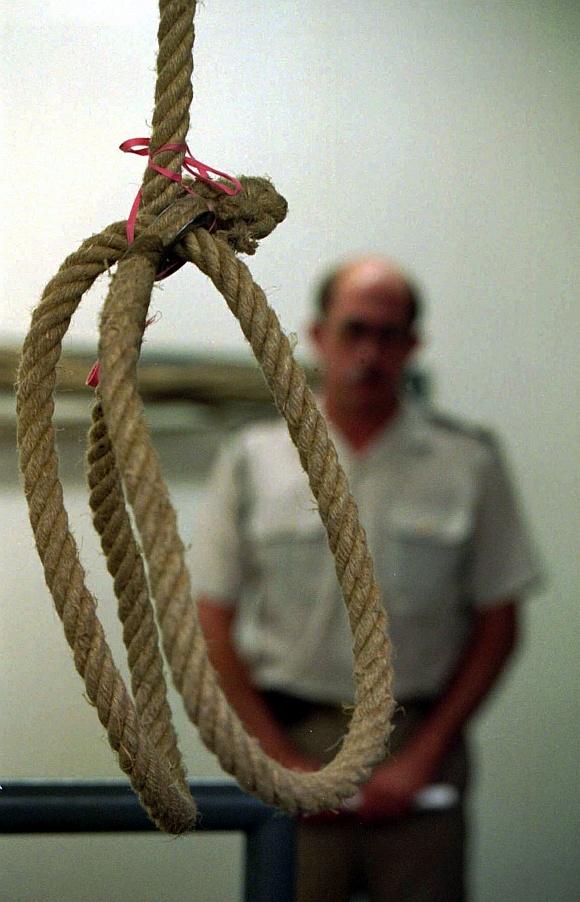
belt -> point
(291, 709)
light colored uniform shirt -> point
(443, 528)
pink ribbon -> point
(92, 379)
(201, 173)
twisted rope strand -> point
(135, 610)
(173, 96)
(155, 779)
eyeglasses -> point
(355, 331)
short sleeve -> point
(503, 562)
(215, 558)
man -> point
(451, 557)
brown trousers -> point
(416, 858)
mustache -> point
(365, 373)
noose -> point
(123, 469)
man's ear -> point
(315, 331)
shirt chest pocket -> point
(428, 554)
(290, 548)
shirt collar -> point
(407, 433)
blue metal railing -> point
(38, 806)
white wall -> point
(443, 133)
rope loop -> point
(196, 222)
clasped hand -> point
(390, 791)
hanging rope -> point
(123, 468)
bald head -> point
(372, 273)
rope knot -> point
(245, 218)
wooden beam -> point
(199, 378)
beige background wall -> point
(445, 134)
